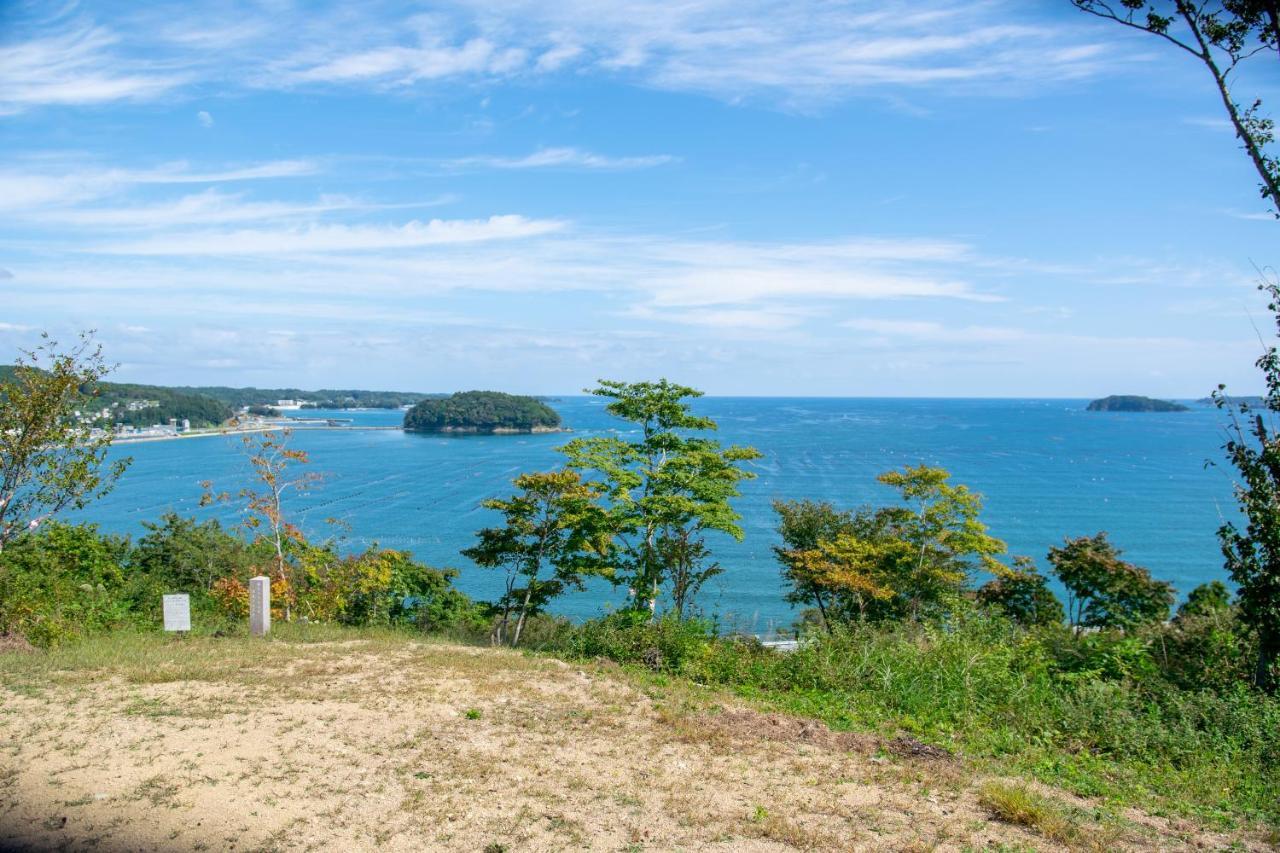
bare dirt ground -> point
(404, 746)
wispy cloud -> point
(402, 66)
(927, 331)
(729, 49)
(335, 238)
(1210, 123)
(39, 185)
(572, 158)
(74, 64)
(209, 207)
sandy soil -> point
(431, 747)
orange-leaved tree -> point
(274, 465)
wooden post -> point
(259, 606)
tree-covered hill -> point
(1133, 403)
(481, 411)
(110, 403)
(201, 410)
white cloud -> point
(399, 65)
(205, 118)
(209, 207)
(75, 64)
(564, 157)
(927, 331)
(335, 238)
(30, 189)
(729, 49)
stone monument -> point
(259, 606)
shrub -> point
(631, 637)
(62, 582)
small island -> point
(482, 412)
(1134, 403)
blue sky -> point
(929, 198)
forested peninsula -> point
(484, 412)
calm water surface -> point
(1046, 468)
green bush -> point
(67, 581)
(63, 582)
(630, 636)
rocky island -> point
(482, 412)
(1134, 403)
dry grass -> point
(320, 740)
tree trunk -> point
(822, 609)
(1270, 182)
(524, 611)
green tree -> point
(50, 460)
(1221, 35)
(1104, 591)
(189, 555)
(947, 541)
(911, 561)
(1207, 598)
(803, 526)
(1252, 551)
(664, 491)
(552, 523)
(1021, 593)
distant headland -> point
(1134, 403)
(482, 412)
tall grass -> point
(1098, 721)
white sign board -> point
(177, 613)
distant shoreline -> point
(205, 433)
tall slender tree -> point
(553, 537)
(275, 471)
(664, 491)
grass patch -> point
(1018, 805)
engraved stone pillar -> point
(259, 606)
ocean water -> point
(1047, 469)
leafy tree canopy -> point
(554, 535)
(1105, 591)
(49, 460)
(664, 490)
(1021, 593)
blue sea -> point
(1047, 469)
